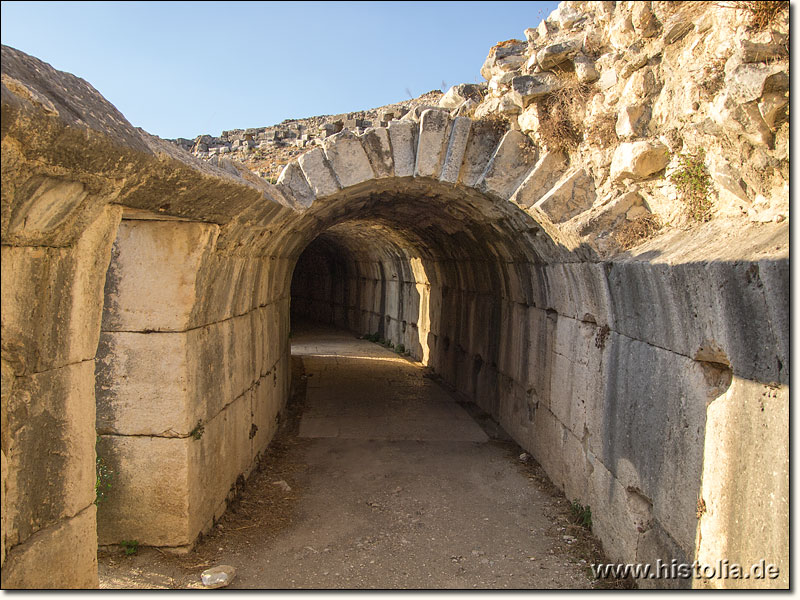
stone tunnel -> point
(148, 296)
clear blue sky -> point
(180, 69)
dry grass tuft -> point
(562, 112)
(764, 12)
(635, 232)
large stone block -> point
(569, 196)
(48, 441)
(52, 298)
(151, 282)
(347, 157)
(403, 137)
(318, 173)
(144, 386)
(456, 149)
(434, 132)
(379, 151)
(214, 462)
(63, 556)
(149, 497)
(511, 162)
(745, 478)
(548, 169)
(480, 149)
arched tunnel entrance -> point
(512, 313)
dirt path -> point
(389, 483)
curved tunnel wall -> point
(611, 373)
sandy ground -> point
(389, 482)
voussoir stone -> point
(403, 138)
(348, 159)
(433, 131)
(459, 136)
(379, 151)
(318, 173)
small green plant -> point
(581, 515)
(372, 337)
(401, 349)
(131, 546)
(198, 430)
(694, 185)
(104, 476)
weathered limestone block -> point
(751, 52)
(458, 94)
(632, 121)
(585, 70)
(638, 160)
(379, 151)
(151, 282)
(616, 513)
(142, 385)
(149, 499)
(63, 556)
(571, 195)
(676, 29)
(747, 432)
(455, 150)
(403, 137)
(574, 368)
(211, 473)
(42, 489)
(506, 57)
(510, 164)
(529, 88)
(434, 130)
(726, 177)
(318, 173)
(578, 291)
(294, 186)
(773, 108)
(604, 217)
(347, 157)
(530, 119)
(480, 148)
(748, 82)
(548, 169)
(51, 298)
(743, 120)
(555, 54)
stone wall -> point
(187, 398)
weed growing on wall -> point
(131, 546)
(198, 430)
(102, 484)
(694, 186)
